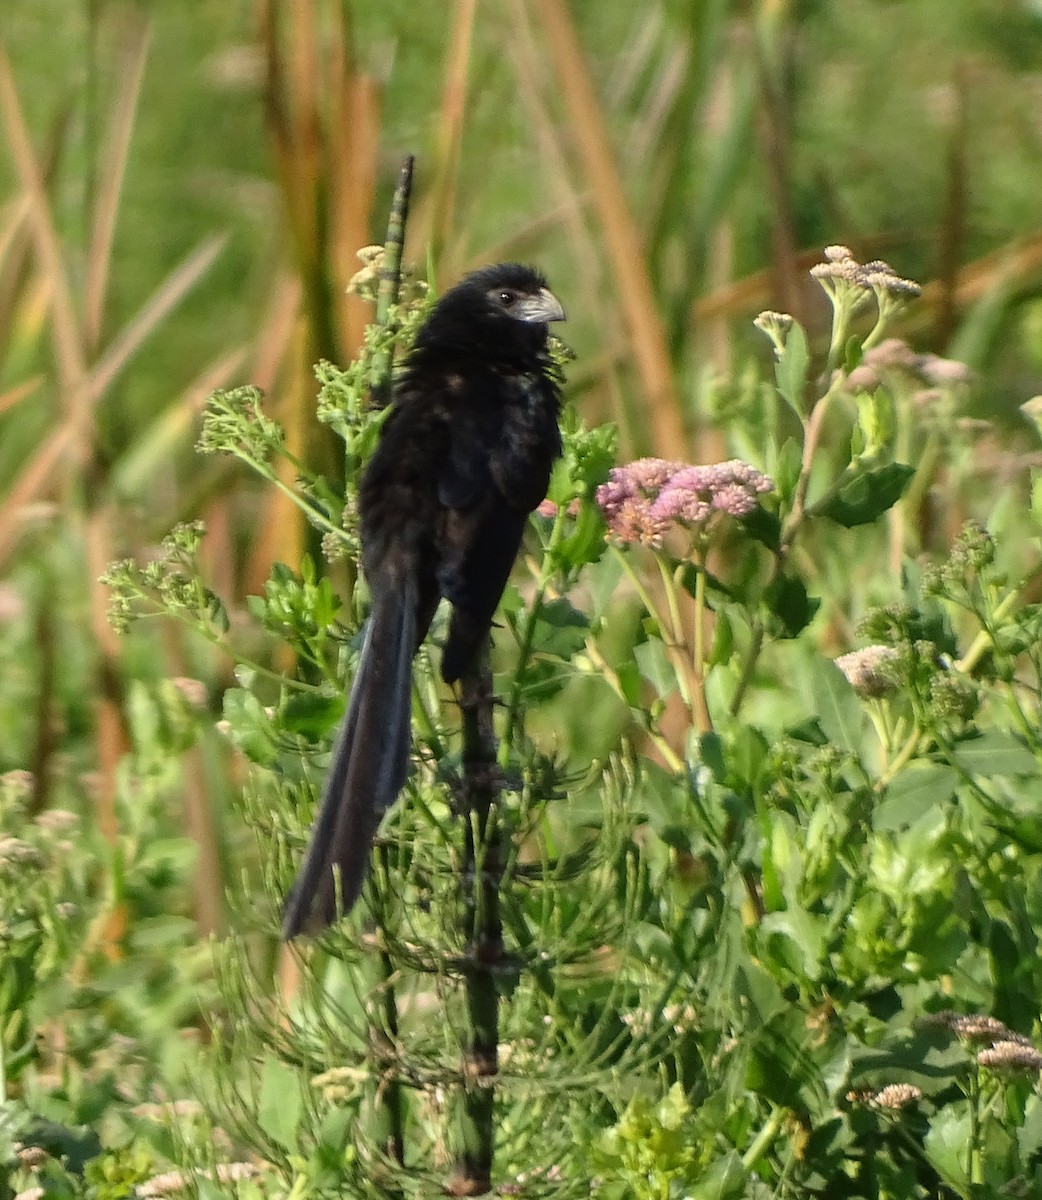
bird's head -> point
(503, 310)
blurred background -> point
(182, 193)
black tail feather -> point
(369, 766)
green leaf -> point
(279, 1103)
(786, 599)
(250, 727)
(876, 423)
(794, 940)
(1029, 1135)
(311, 714)
(786, 472)
(838, 709)
(947, 1143)
(724, 1180)
(791, 370)
(655, 666)
(561, 629)
(996, 753)
(723, 641)
(602, 580)
(867, 496)
(853, 353)
(763, 527)
(585, 543)
(913, 793)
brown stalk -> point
(715, 336)
(279, 536)
(14, 396)
(46, 740)
(159, 305)
(37, 477)
(434, 220)
(16, 240)
(68, 345)
(571, 204)
(131, 72)
(208, 883)
(353, 189)
(110, 736)
(776, 139)
(622, 239)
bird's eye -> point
(507, 298)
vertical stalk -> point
(484, 955)
(386, 1125)
(390, 282)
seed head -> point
(1011, 1056)
(870, 671)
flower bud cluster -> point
(643, 500)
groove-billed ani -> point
(463, 457)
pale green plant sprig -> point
(41, 903)
(923, 696)
(915, 694)
(346, 396)
(170, 585)
(234, 423)
(170, 581)
(850, 287)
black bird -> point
(464, 456)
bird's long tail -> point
(368, 769)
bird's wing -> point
(497, 471)
(528, 442)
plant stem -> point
(758, 1146)
(390, 282)
(528, 634)
(386, 1118)
(484, 957)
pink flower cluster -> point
(643, 500)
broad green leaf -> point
(867, 496)
(787, 468)
(787, 600)
(1029, 1135)
(763, 526)
(725, 1179)
(312, 714)
(279, 1104)
(996, 753)
(655, 666)
(791, 370)
(795, 939)
(947, 1143)
(836, 705)
(853, 353)
(249, 726)
(561, 629)
(912, 793)
(585, 543)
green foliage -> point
(742, 951)
(819, 862)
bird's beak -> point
(544, 307)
